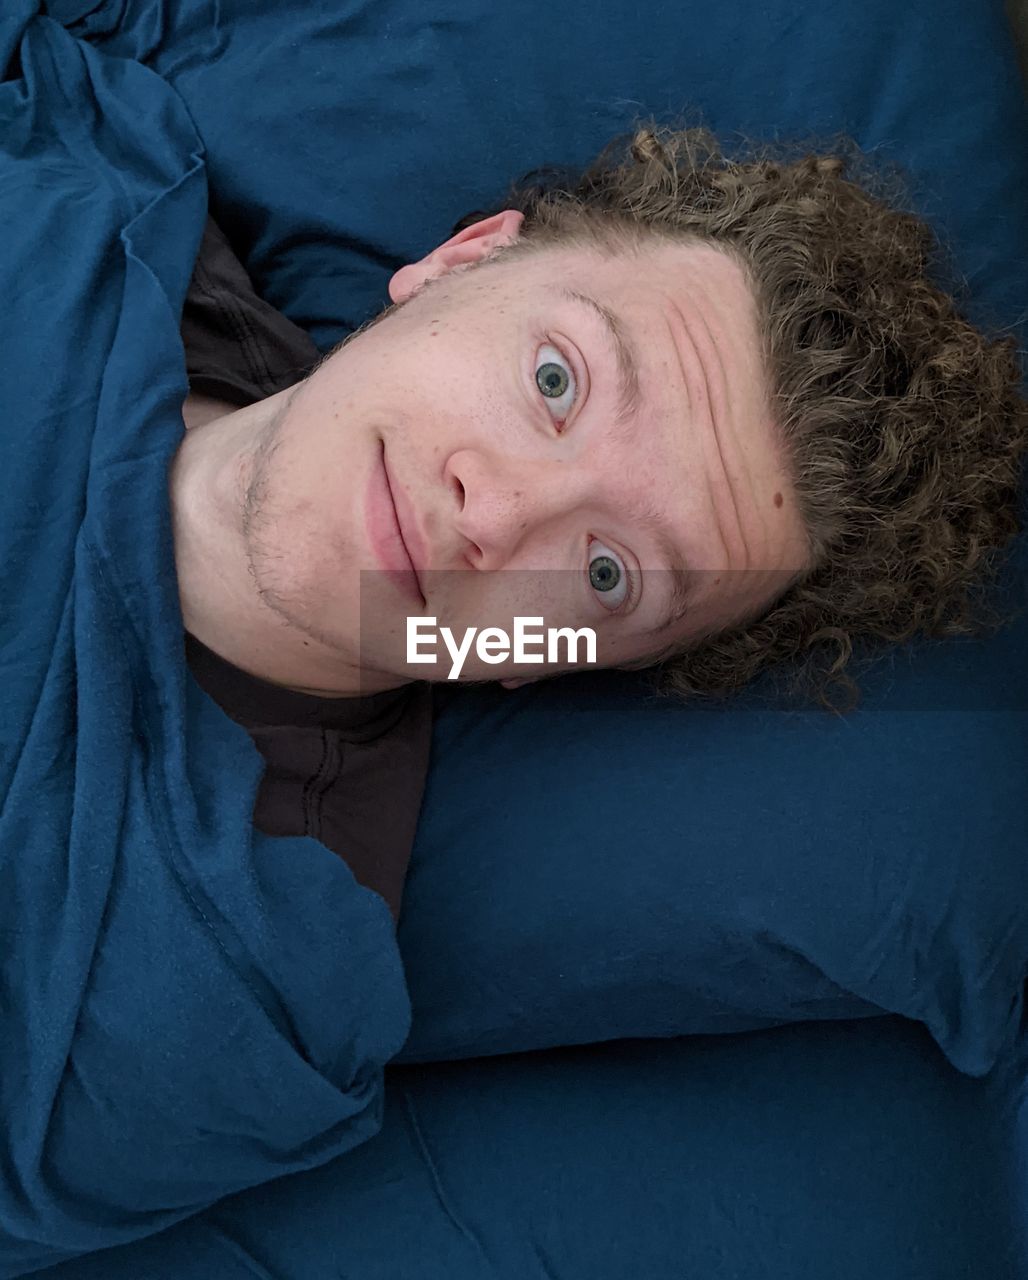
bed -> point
(764, 1020)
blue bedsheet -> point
(182, 1015)
(820, 1151)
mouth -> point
(386, 534)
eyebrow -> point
(683, 580)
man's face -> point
(485, 408)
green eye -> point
(609, 577)
(552, 380)
(604, 573)
(555, 378)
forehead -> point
(657, 267)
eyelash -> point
(633, 588)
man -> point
(490, 402)
(716, 412)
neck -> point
(220, 604)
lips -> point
(408, 525)
(386, 534)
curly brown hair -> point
(902, 425)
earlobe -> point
(405, 281)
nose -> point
(501, 502)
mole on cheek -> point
(778, 499)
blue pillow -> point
(344, 141)
(589, 866)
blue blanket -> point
(187, 1008)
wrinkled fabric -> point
(187, 1007)
(849, 1150)
(239, 349)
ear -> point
(469, 245)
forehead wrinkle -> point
(712, 386)
(709, 359)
